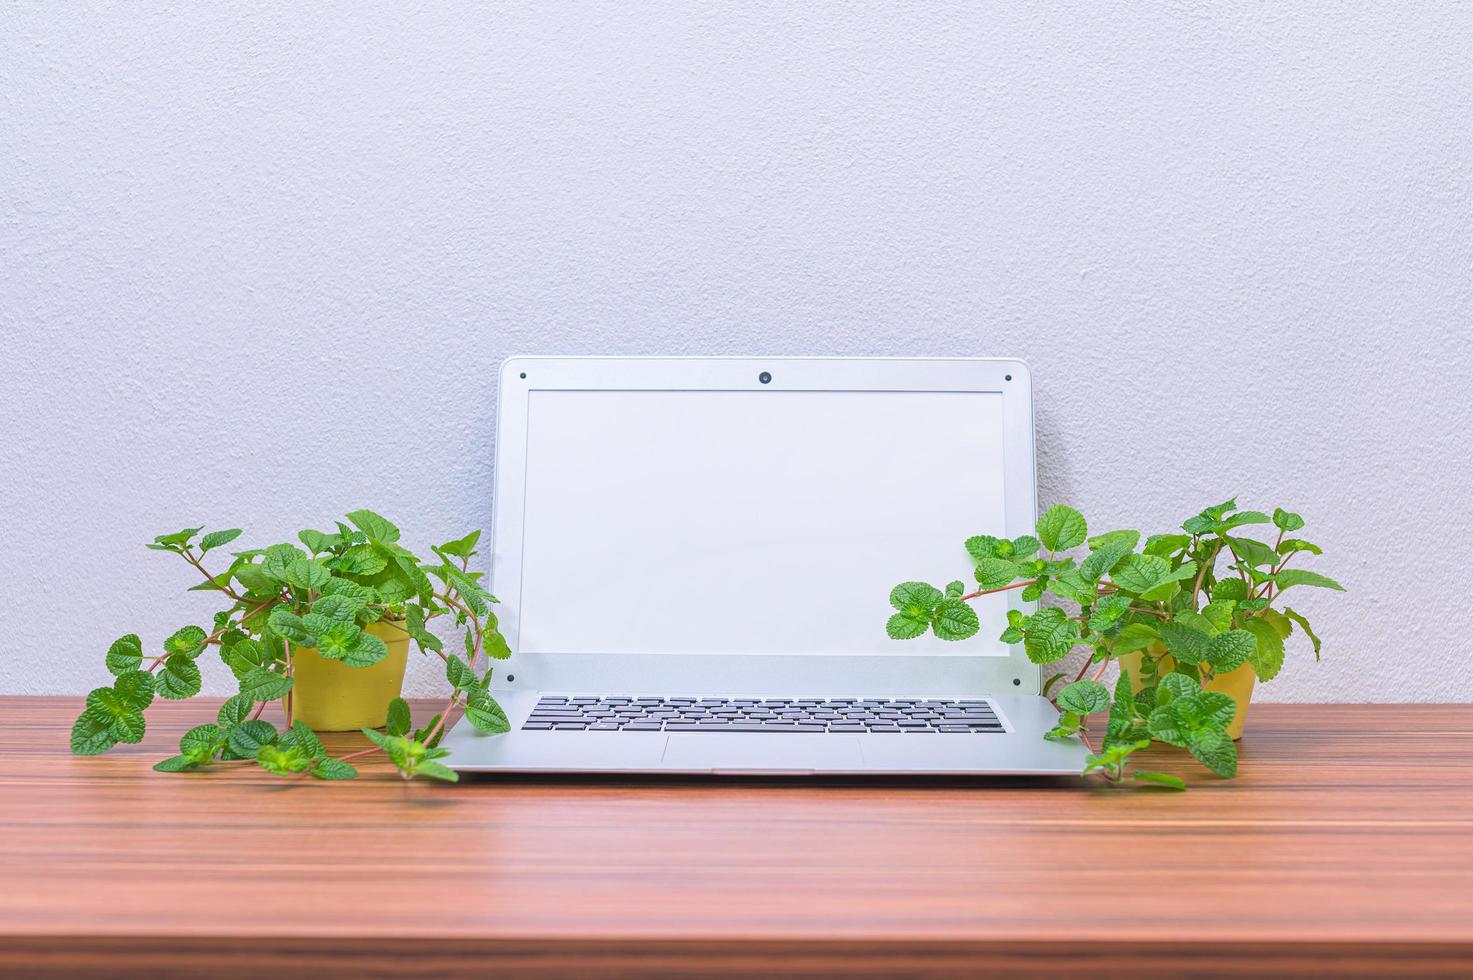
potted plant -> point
(323, 628)
(1193, 620)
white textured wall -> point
(258, 263)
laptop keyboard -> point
(674, 714)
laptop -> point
(694, 558)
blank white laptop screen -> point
(752, 522)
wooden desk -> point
(1345, 848)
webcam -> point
(764, 377)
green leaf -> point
(1133, 638)
(1216, 751)
(364, 651)
(1049, 636)
(981, 546)
(1141, 573)
(356, 594)
(1121, 728)
(486, 715)
(954, 620)
(1302, 576)
(1268, 653)
(256, 582)
(1286, 521)
(333, 769)
(1112, 759)
(1164, 726)
(437, 771)
(187, 641)
(179, 679)
(282, 761)
(1197, 621)
(1252, 552)
(318, 542)
(415, 623)
(235, 710)
(1241, 519)
(1114, 539)
(178, 538)
(916, 601)
(1160, 779)
(1025, 546)
(93, 733)
(462, 547)
(260, 684)
(1085, 697)
(459, 673)
(242, 655)
(1231, 650)
(126, 653)
(332, 608)
(304, 738)
(1175, 686)
(1166, 545)
(335, 640)
(399, 718)
(247, 738)
(1229, 590)
(1290, 545)
(1099, 562)
(278, 558)
(307, 573)
(216, 538)
(134, 688)
(1107, 611)
(495, 644)
(1304, 625)
(1170, 587)
(377, 528)
(902, 627)
(177, 763)
(201, 742)
(995, 573)
(289, 626)
(423, 587)
(1219, 615)
(1186, 644)
(1061, 528)
(433, 725)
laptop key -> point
(537, 726)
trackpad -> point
(767, 752)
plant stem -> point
(188, 556)
(1005, 588)
(1207, 563)
(215, 636)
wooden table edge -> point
(322, 957)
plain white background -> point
(258, 263)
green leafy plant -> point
(1193, 605)
(321, 596)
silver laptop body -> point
(694, 555)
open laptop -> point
(694, 557)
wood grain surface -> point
(1344, 848)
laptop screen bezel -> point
(736, 674)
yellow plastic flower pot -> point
(330, 696)
(1146, 667)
